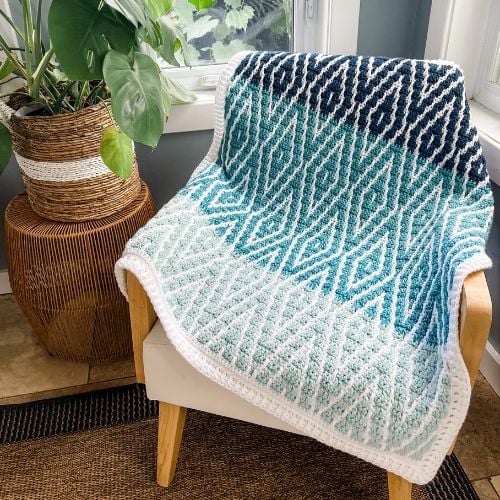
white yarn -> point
(210, 364)
(63, 171)
(245, 387)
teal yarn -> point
(313, 264)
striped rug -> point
(102, 445)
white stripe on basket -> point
(62, 171)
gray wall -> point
(493, 274)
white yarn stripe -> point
(63, 171)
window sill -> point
(488, 126)
(198, 115)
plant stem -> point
(28, 41)
(39, 73)
(95, 91)
(49, 103)
(112, 118)
(80, 99)
(60, 98)
(46, 102)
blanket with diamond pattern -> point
(313, 263)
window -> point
(214, 35)
(468, 33)
(217, 33)
(487, 90)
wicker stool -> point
(62, 275)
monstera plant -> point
(100, 50)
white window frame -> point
(333, 29)
(486, 93)
(458, 31)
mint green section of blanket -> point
(303, 347)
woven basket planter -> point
(65, 178)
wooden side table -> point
(62, 275)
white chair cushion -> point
(171, 379)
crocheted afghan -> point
(313, 264)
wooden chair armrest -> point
(142, 318)
(475, 321)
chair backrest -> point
(295, 108)
(351, 169)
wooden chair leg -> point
(399, 488)
(170, 427)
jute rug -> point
(112, 456)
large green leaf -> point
(82, 32)
(141, 11)
(202, 4)
(117, 152)
(133, 10)
(201, 26)
(238, 18)
(138, 12)
(159, 8)
(176, 92)
(5, 146)
(135, 95)
(169, 35)
(172, 39)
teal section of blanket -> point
(311, 350)
(341, 210)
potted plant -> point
(86, 98)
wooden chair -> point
(177, 386)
